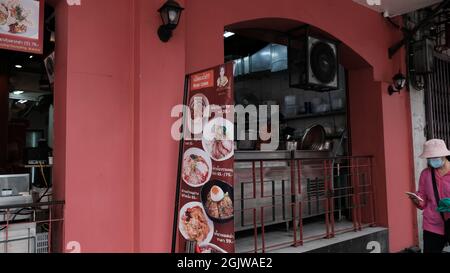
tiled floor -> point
(313, 230)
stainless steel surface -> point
(20, 186)
(246, 144)
(14, 200)
(16, 182)
(262, 60)
(314, 138)
(279, 58)
(291, 145)
(261, 155)
(277, 182)
(278, 155)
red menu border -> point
(213, 86)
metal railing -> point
(437, 99)
(31, 227)
(285, 203)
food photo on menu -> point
(194, 224)
(198, 104)
(197, 167)
(205, 220)
(20, 18)
(197, 228)
(217, 197)
(218, 135)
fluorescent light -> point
(23, 101)
(31, 56)
(18, 92)
(18, 66)
(227, 34)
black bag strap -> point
(436, 192)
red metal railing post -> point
(300, 204)
(7, 231)
(299, 174)
(331, 196)
(262, 230)
(50, 229)
(254, 178)
(372, 190)
(255, 230)
(261, 177)
(293, 202)
(325, 183)
(300, 214)
(352, 181)
(358, 199)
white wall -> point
(419, 123)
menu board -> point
(22, 25)
(206, 204)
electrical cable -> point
(39, 200)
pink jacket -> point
(432, 220)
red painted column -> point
(60, 121)
(94, 124)
(380, 125)
(115, 159)
(160, 71)
(366, 125)
(399, 168)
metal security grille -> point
(438, 100)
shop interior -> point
(26, 142)
(299, 70)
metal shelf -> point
(316, 115)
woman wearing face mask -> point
(436, 153)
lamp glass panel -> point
(165, 16)
(173, 15)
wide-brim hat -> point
(434, 148)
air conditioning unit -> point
(313, 63)
(423, 57)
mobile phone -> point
(414, 195)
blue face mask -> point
(436, 163)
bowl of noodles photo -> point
(197, 167)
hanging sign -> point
(22, 25)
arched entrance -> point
(264, 79)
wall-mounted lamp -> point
(170, 14)
(399, 84)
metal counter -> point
(272, 197)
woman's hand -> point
(415, 200)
